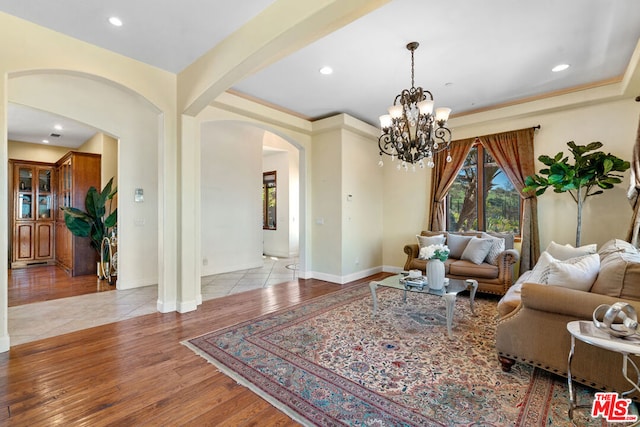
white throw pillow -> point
(576, 273)
(564, 252)
(424, 241)
(476, 250)
(536, 273)
(497, 247)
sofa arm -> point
(505, 260)
(412, 250)
(565, 301)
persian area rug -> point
(328, 362)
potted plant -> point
(95, 222)
(590, 174)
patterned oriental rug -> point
(327, 362)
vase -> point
(435, 274)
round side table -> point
(586, 332)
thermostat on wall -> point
(139, 195)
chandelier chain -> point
(412, 70)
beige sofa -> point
(533, 318)
(493, 278)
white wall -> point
(362, 214)
(118, 112)
(326, 225)
(347, 232)
(231, 186)
(406, 210)
(296, 132)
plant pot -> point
(435, 274)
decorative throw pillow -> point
(457, 243)
(567, 251)
(477, 250)
(536, 273)
(576, 273)
(497, 247)
(424, 241)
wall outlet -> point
(357, 261)
(205, 261)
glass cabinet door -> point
(25, 178)
(44, 206)
(24, 206)
(44, 180)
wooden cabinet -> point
(32, 202)
(76, 173)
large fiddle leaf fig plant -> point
(94, 222)
(591, 173)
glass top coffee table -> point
(451, 289)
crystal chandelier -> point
(411, 131)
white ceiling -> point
(473, 54)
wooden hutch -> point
(40, 235)
(32, 214)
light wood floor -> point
(136, 372)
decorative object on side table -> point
(618, 320)
(436, 256)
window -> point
(269, 200)
(482, 197)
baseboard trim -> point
(187, 306)
(5, 344)
(166, 307)
(341, 280)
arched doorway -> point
(232, 155)
(117, 111)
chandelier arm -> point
(442, 135)
(386, 145)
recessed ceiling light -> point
(57, 127)
(45, 141)
(560, 67)
(115, 21)
(326, 70)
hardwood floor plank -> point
(45, 283)
(136, 372)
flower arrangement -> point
(440, 252)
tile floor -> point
(45, 319)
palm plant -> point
(94, 222)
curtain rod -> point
(477, 138)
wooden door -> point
(23, 238)
(44, 240)
(63, 246)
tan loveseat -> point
(533, 318)
(492, 278)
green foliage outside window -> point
(483, 198)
